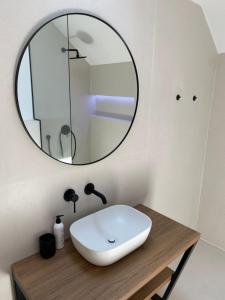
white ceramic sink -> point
(108, 235)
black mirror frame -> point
(17, 73)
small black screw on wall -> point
(195, 98)
(178, 97)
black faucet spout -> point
(101, 196)
(90, 189)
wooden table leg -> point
(175, 275)
(18, 293)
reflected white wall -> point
(116, 79)
(79, 92)
(24, 87)
(51, 87)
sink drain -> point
(111, 241)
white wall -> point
(24, 87)
(50, 79)
(32, 184)
(215, 15)
(109, 123)
(50, 73)
(24, 91)
(184, 63)
(123, 107)
(33, 127)
(212, 209)
(80, 99)
(105, 46)
(105, 135)
(114, 79)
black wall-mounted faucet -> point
(70, 195)
(90, 189)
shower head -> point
(78, 57)
(73, 50)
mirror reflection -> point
(77, 89)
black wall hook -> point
(70, 195)
(178, 97)
(195, 98)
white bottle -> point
(58, 229)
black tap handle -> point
(70, 195)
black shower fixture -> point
(70, 195)
(48, 138)
(178, 97)
(195, 98)
(73, 50)
(65, 130)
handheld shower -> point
(65, 130)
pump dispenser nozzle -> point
(58, 219)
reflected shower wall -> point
(103, 73)
(25, 98)
(80, 111)
(50, 77)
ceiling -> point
(105, 40)
(95, 40)
(214, 11)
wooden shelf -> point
(151, 288)
(68, 276)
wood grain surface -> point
(68, 276)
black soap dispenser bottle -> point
(58, 230)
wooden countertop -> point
(68, 276)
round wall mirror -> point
(77, 88)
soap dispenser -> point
(58, 230)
